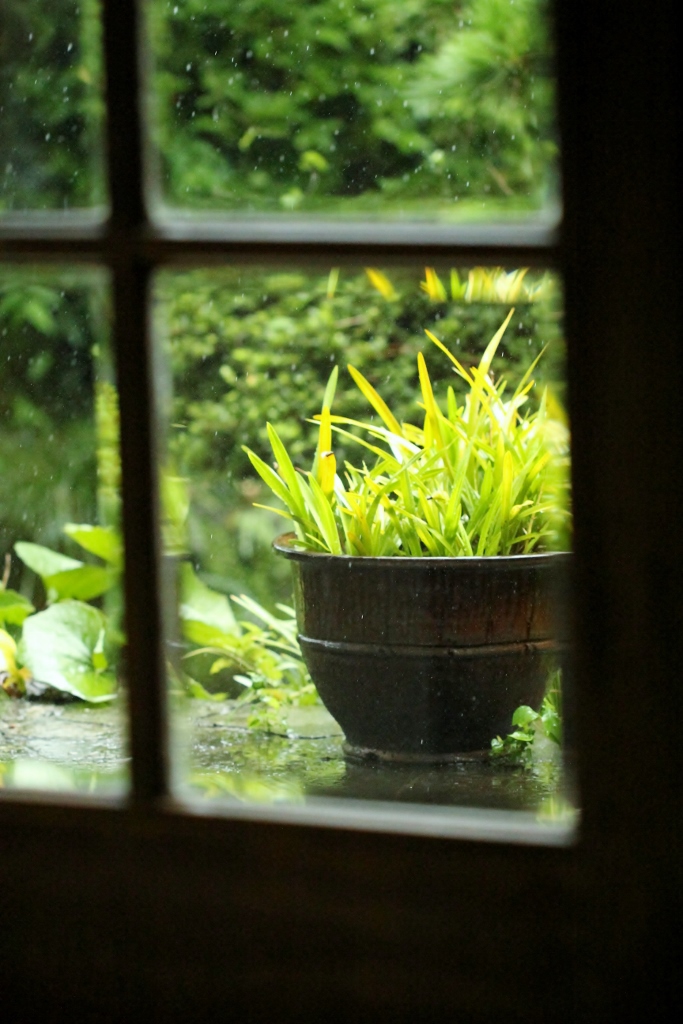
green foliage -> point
(421, 107)
(13, 678)
(68, 647)
(51, 110)
(14, 607)
(202, 610)
(353, 104)
(531, 725)
(266, 654)
(71, 646)
(108, 457)
(52, 323)
(64, 577)
(485, 98)
(249, 346)
(479, 479)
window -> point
(405, 945)
(391, 145)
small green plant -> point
(478, 479)
(268, 658)
(530, 725)
(72, 646)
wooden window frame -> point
(142, 908)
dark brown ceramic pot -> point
(427, 658)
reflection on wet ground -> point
(80, 748)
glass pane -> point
(51, 110)
(421, 109)
(437, 610)
(61, 721)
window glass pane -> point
(420, 109)
(61, 716)
(51, 106)
(420, 671)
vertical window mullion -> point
(132, 344)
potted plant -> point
(428, 581)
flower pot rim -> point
(284, 544)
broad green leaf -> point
(200, 603)
(61, 647)
(83, 583)
(201, 634)
(14, 607)
(524, 715)
(103, 541)
(43, 561)
(99, 658)
(197, 691)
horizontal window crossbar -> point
(196, 240)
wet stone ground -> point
(82, 748)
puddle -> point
(75, 747)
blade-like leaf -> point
(14, 608)
(381, 282)
(286, 468)
(490, 350)
(199, 603)
(376, 401)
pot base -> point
(425, 660)
(417, 705)
(368, 754)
